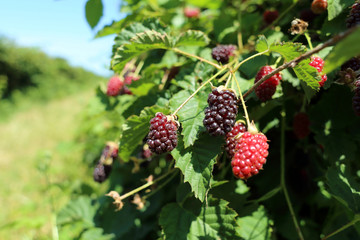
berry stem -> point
(197, 57)
(355, 220)
(308, 39)
(146, 185)
(242, 101)
(308, 54)
(228, 81)
(139, 67)
(197, 90)
(249, 58)
(282, 174)
(160, 186)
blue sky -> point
(59, 28)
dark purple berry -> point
(356, 98)
(101, 172)
(222, 53)
(354, 16)
(231, 140)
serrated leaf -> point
(255, 227)
(135, 129)
(344, 188)
(191, 115)
(196, 162)
(192, 38)
(93, 12)
(261, 44)
(215, 221)
(343, 51)
(335, 7)
(288, 50)
(78, 210)
(139, 44)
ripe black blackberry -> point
(221, 114)
(222, 53)
(230, 137)
(353, 63)
(101, 172)
(354, 15)
(356, 98)
(163, 134)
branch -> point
(308, 54)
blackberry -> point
(319, 6)
(307, 15)
(353, 63)
(221, 114)
(163, 134)
(356, 98)
(301, 125)
(114, 86)
(354, 16)
(318, 63)
(101, 172)
(270, 16)
(266, 90)
(230, 138)
(251, 152)
(222, 53)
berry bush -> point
(204, 94)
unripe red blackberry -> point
(356, 98)
(222, 53)
(251, 152)
(270, 16)
(230, 138)
(319, 6)
(266, 90)
(221, 113)
(301, 125)
(146, 152)
(318, 63)
(354, 16)
(101, 172)
(191, 12)
(114, 86)
(163, 134)
(130, 78)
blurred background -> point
(50, 64)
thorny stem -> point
(282, 175)
(308, 39)
(197, 57)
(197, 90)
(355, 220)
(242, 102)
(280, 17)
(146, 185)
(308, 54)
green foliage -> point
(93, 12)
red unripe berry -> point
(319, 6)
(270, 16)
(231, 138)
(301, 125)
(114, 86)
(251, 152)
(318, 63)
(266, 90)
(191, 12)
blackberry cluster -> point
(354, 16)
(251, 152)
(318, 63)
(353, 63)
(231, 140)
(221, 114)
(301, 125)
(356, 98)
(222, 53)
(163, 134)
(114, 86)
(101, 172)
(266, 90)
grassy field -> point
(40, 163)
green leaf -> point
(139, 44)
(93, 12)
(135, 129)
(343, 51)
(261, 44)
(255, 227)
(196, 162)
(96, 234)
(78, 210)
(335, 7)
(191, 115)
(288, 50)
(343, 187)
(192, 38)
(267, 195)
(215, 221)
